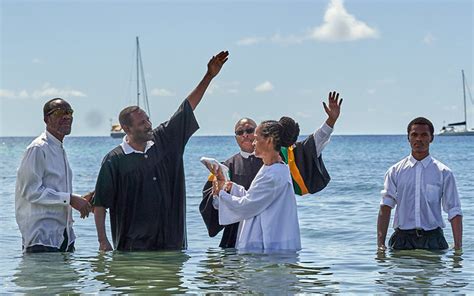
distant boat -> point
(116, 130)
(459, 128)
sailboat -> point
(459, 128)
(116, 130)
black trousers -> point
(41, 249)
(418, 239)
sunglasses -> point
(249, 131)
(60, 112)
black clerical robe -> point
(146, 192)
(307, 170)
(242, 171)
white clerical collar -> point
(127, 149)
(245, 154)
(53, 139)
(425, 161)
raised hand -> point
(332, 108)
(216, 63)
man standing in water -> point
(43, 194)
(307, 168)
(419, 186)
(142, 180)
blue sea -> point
(338, 229)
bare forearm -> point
(196, 95)
(456, 225)
(331, 121)
(99, 216)
(382, 225)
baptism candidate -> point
(142, 180)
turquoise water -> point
(338, 229)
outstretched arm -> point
(332, 108)
(213, 68)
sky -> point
(391, 61)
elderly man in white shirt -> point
(43, 195)
(419, 186)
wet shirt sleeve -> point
(30, 183)
(450, 198)
(176, 132)
(105, 188)
(389, 192)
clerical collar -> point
(127, 149)
(246, 154)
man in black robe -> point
(304, 159)
(141, 181)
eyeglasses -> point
(59, 112)
(249, 131)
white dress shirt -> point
(321, 137)
(419, 189)
(43, 192)
(127, 149)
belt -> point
(419, 232)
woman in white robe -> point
(267, 210)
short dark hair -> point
(275, 130)
(249, 120)
(291, 129)
(421, 120)
(125, 118)
(52, 104)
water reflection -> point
(141, 271)
(420, 271)
(272, 273)
(43, 273)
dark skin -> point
(60, 126)
(140, 131)
(420, 138)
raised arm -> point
(213, 68)
(332, 108)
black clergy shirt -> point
(146, 192)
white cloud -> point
(161, 92)
(264, 87)
(429, 39)
(37, 61)
(371, 91)
(339, 25)
(286, 40)
(233, 91)
(6, 93)
(303, 114)
(212, 88)
(249, 41)
(45, 92)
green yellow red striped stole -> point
(298, 183)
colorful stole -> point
(298, 183)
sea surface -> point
(338, 229)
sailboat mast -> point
(138, 75)
(464, 95)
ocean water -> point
(338, 229)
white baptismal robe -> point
(267, 211)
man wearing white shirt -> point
(43, 194)
(419, 186)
